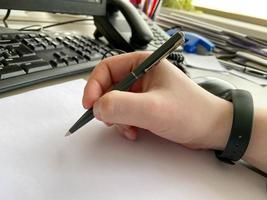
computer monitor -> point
(83, 7)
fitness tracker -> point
(241, 127)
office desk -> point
(259, 93)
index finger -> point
(108, 72)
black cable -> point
(67, 22)
(176, 56)
(6, 17)
(52, 25)
(27, 27)
(177, 59)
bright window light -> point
(252, 8)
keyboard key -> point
(57, 44)
(63, 54)
(79, 59)
(5, 54)
(69, 61)
(6, 37)
(36, 66)
(32, 35)
(12, 52)
(24, 51)
(48, 46)
(29, 41)
(21, 36)
(42, 35)
(58, 63)
(5, 43)
(57, 55)
(39, 40)
(66, 43)
(21, 60)
(11, 71)
(36, 47)
(93, 56)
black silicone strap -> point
(241, 127)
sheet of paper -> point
(203, 62)
(38, 162)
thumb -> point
(134, 109)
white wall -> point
(254, 8)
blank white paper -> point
(207, 62)
(38, 163)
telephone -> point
(127, 29)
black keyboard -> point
(27, 58)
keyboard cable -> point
(26, 28)
(6, 17)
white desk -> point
(259, 93)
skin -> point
(192, 116)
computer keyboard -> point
(27, 58)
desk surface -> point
(259, 93)
(38, 162)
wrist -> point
(221, 125)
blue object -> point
(172, 31)
(195, 43)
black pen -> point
(162, 52)
(242, 68)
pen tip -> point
(67, 134)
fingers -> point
(134, 109)
(108, 72)
(130, 132)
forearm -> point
(256, 153)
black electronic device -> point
(127, 28)
(84, 7)
(27, 58)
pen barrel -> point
(86, 117)
(126, 83)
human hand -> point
(164, 101)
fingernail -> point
(96, 111)
(130, 135)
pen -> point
(162, 52)
(247, 70)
